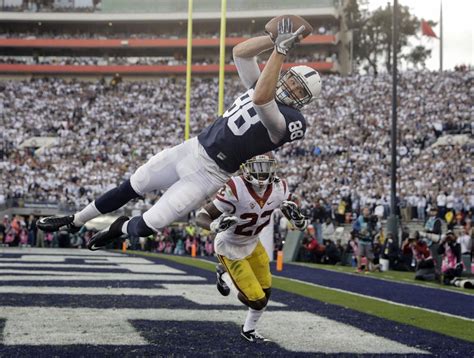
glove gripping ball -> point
(272, 26)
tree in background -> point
(372, 35)
(418, 56)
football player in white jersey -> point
(239, 212)
(262, 119)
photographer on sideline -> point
(425, 268)
(451, 264)
(365, 228)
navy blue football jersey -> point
(239, 135)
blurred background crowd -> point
(103, 132)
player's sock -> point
(88, 213)
(116, 198)
(137, 227)
(252, 318)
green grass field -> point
(450, 326)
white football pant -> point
(189, 177)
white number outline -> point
(240, 109)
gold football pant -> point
(251, 275)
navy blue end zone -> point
(221, 338)
(409, 294)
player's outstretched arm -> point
(245, 61)
(264, 98)
(206, 215)
(212, 219)
(265, 89)
(293, 213)
(252, 47)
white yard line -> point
(296, 331)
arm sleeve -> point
(272, 119)
(248, 70)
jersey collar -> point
(261, 200)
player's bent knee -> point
(158, 219)
(258, 304)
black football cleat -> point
(253, 336)
(107, 236)
(56, 223)
(222, 287)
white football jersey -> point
(239, 198)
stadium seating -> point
(105, 131)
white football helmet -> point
(307, 78)
(259, 170)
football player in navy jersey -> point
(261, 120)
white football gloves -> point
(293, 213)
(223, 223)
(286, 38)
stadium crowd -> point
(142, 60)
(50, 5)
(152, 34)
(99, 61)
(105, 132)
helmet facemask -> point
(287, 96)
(259, 171)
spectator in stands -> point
(390, 251)
(76, 241)
(465, 242)
(209, 247)
(179, 249)
(314, 251)
(318, 217)
(332, 254)
(365, 228)
(441, 203)
(40, 239)
(3, 228)
(168, 246)
(350, 150)
(32, 232)
(421, 207)
(328, 229)
(451, 264)
(450, 219)
(48, 239)
(433, 227)
(351, 249)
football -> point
(272, 26)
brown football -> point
(272, 26)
